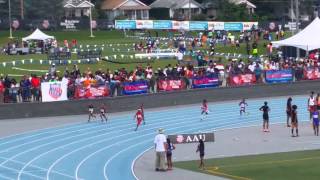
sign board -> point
(191, 138)
(70, 24)
(54, 91)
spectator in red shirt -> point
(35, 87)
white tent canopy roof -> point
(308, 39)
(37, 35)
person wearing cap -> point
(160, 142)
(138, 117)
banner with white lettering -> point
(191, 138)
(54, 91)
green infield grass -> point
(298, 165)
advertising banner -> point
(242, 79)
(311, 73)
(131, 88)
(217, 26)
(191, 138)
(54, 91)
(171, 85)
(198, 25)
(125, 24)
(144, 24)
(233, 26)
(178, 25)
(162, 24)
(91, 92)
(205, 82)
(278, 76)
(249, 25)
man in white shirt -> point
(160, 142)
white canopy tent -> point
(308, 39)
(37, 35)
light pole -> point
(10, 25)
(91, 33)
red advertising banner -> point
(311, 73)
(91, 92)
(242, 79)
(171, 85)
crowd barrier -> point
(59, 91)
(205, 82)
(279, 76)
(91, 92)
(311, 73)
(132, 88)
(242, 79)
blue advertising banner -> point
(131, 88)
(233, 26)
(279, 76)
(162, 24)
(198, 25)
(125, 24)
(205, 82)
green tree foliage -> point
(227, 11)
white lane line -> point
(38, 167)
(39, 156)
(92, 154)
(65, 155)
(25, 173)
(135, 160)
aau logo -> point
(55, 90)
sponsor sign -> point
(311, 73)
(70, 24)
(249, 25)
(178, 25)
(198, 25)
(242, 79)
(162, 24)
(171, 85)
(274, 76)
(54, 91)
(217, 26)
(91, 92)
(125, 24)
(205, 82)
(191, 138)
(144, 24)
(131, 88)
(233, 26)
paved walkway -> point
(235, 142)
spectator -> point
(200, 149)
(160, 142)
(171, 147)
(35, 88)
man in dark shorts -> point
(265, 108)
(288, 110)
(294, 121)
(315, 117)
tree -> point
(227, 11)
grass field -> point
(297, 165)
(101, 38)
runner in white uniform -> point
(243, 106)
(311, 104)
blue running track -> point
(97, 151)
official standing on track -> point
(294, 121)
(200, 149)
(160, 142)
(288, 110)
(265, 108)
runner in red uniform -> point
(204, 109)
(142, 110)
(138, 117)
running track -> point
(96, 151)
